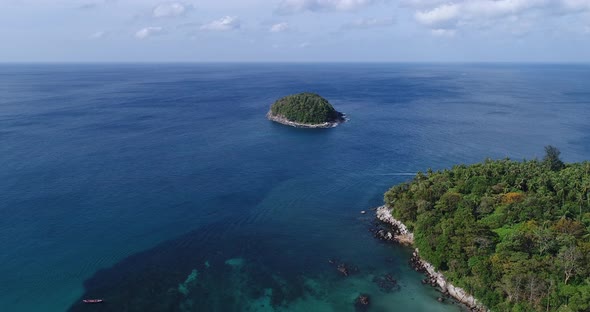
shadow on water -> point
(192, 273)
(211, 269)
(215, 269)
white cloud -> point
(422, 4)
(291, 6)
(92, 4)
(223, 24)
(87, 6)
(280, 27)
(304, 45)
(440, 15)
(148, 32)
(449, 15)
(169, 9)
(587, 29)
(441, 32)
(98, 35)
(370, 23)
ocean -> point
(163, 187)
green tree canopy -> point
(307, 108)
(551, 158)
(514, 234)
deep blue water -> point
(163, 187)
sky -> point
(295, 31)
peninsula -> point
(515, 235)
(305, 110)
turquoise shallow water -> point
(163, 187)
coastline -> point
(287, 122)
(399, 233)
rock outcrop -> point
(400, 234)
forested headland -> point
(513, 234)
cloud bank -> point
(450, 15)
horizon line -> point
(292, 62)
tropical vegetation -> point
(514, 234)
(306, 108)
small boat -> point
(93, 300)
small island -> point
(305, 110)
